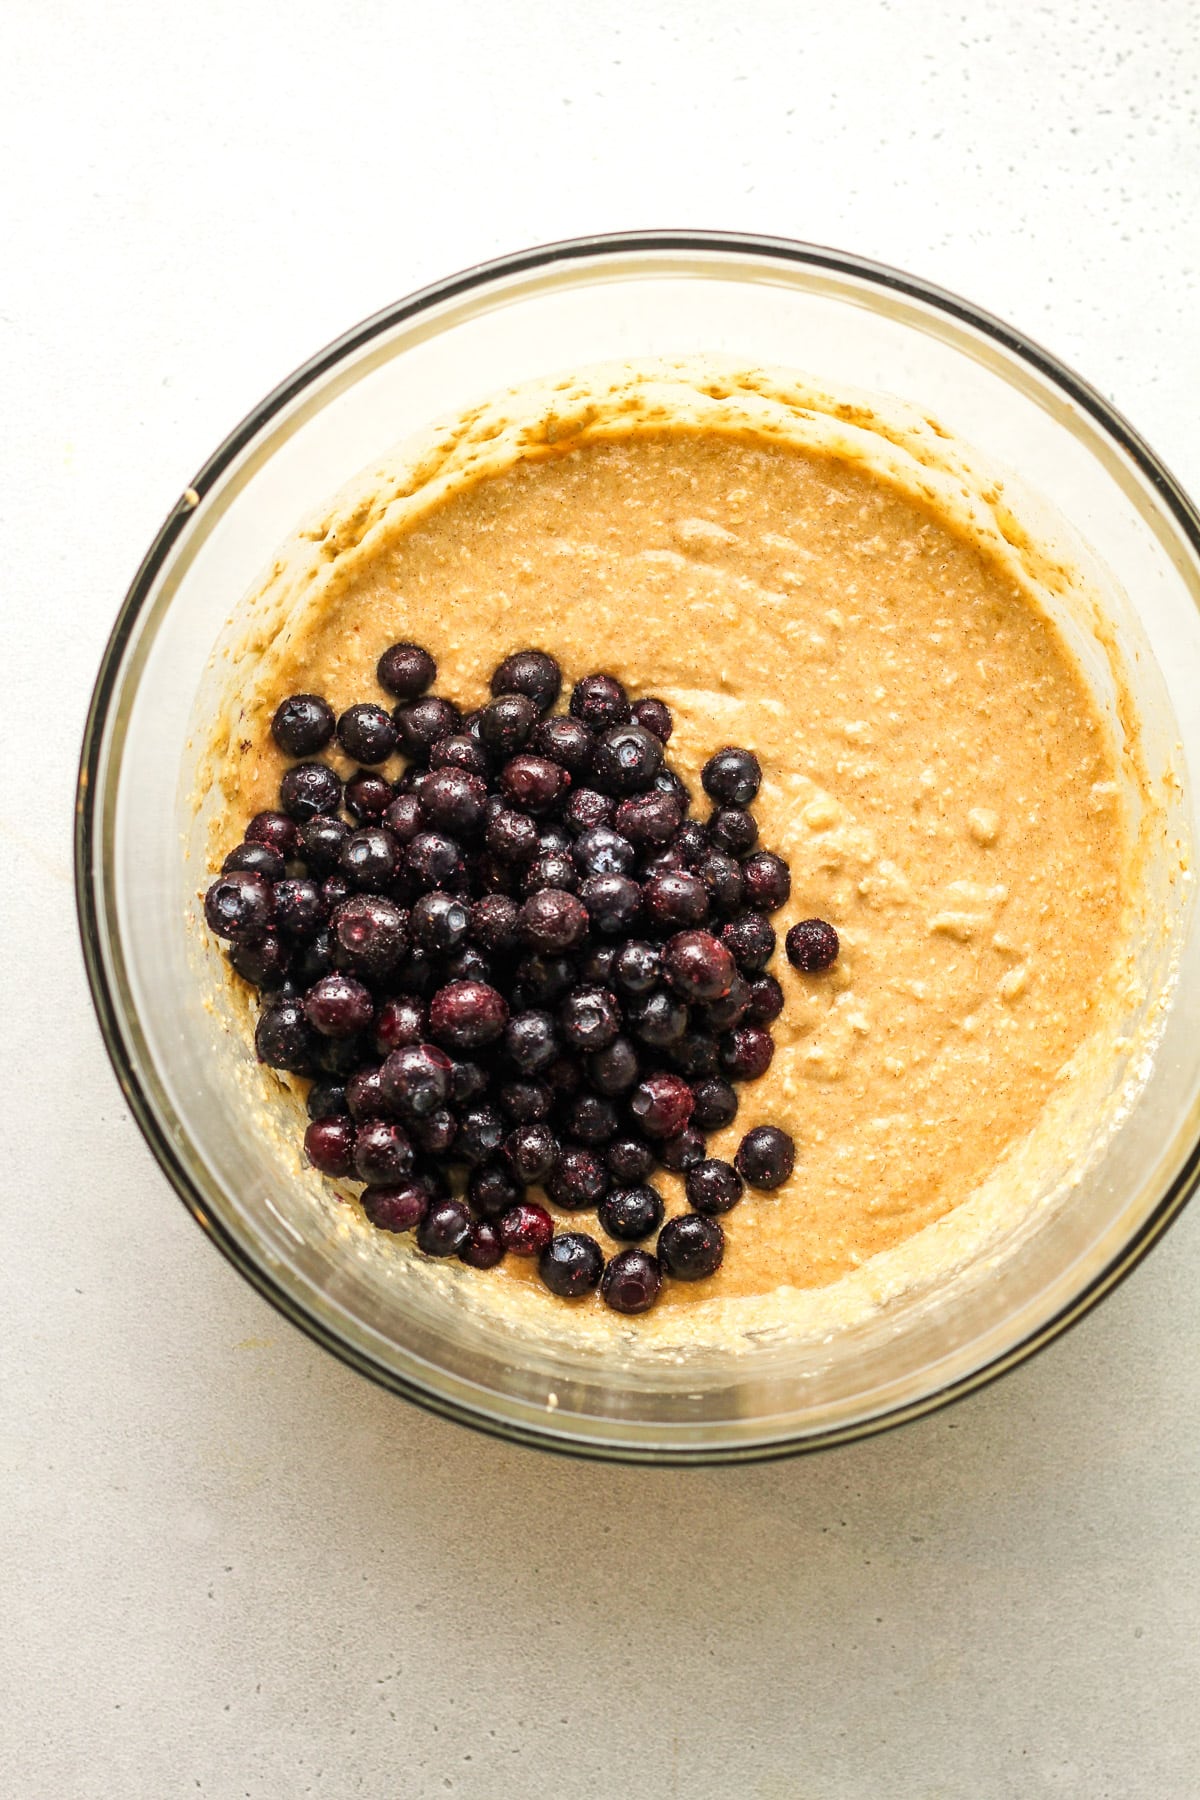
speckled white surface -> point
(231, 1568)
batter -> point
(935, 773)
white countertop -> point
(231, 1568)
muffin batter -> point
(935, 773)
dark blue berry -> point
(303, 724)
(533, 673)
(571, 1265)
(691, 1247)
(631, 1282)
(240, 906)
(766, 1157)
(812, 946)
(405, 671)
(732, 777)
(629, 1214)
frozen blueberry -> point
(465, 1014)
(662, 1105)
(658, 1018)
(395, 1206)
(405, 818)
(596, 964)
(731, 1008)
(556, 870)
(571, 1264)
(579, 1181)
(370, 859)
(600, 701)
(491, 1190)
(695, 1054)
(424, 723)
(541, 980)
(434, 860)
(638, 967)
(674, 899)
(255, 859)
(437, 1132)
(723, 880)
(444, 1229)
(631, 1282)
(751, 941)
(366, 733)
(506, 722)
(590, 1119)
(309, 788)
(683, 1151)
(383, 1151)
(368, 795)
(531, 1152)
(494, 923)
(698, 966)
(649, 820)
(326, 1099)
(812, 946)
(303, 724)
(766, 1000)
(512, 836)
(301, 908)
(531, 1041)
(416, 1079)
(690, 1247)
(587, 808)
(767, 879)
(615, 1069)
(533, 673)
(567, 742)
(713, 1186)
(766, 1157)
(439, 921)
(629, 1214)
(589, 1018)
(733, 830)
(525, 1101)
(629, 1161)
(627, 759)
(746, 1052)
(602, 851)
(655, 715)
(276, 830)
(453, 801)
(613, 903)
(526, 1228)
(468, 1081)
(480, 1135)
(265, 961)
(329, 1145)
(369, 932)
(338, 1006)
(732, 777)
(483, 1247)
(405, 671)
(460, 751)
(552, 920)
(240, 906)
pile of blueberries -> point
(518, 964)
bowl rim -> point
(89, 821)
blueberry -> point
(631, 1282)
(493, 923)
(383, 1151)
(683, 1151)
(695, 1054)
(600, 701)
(596, 964)
(571, 1265)
(733, 830)
(526, 1228)
(553, 841)
(303, 724)
(395, 1206)
(437, 1132)
(309, 788)
(483, 1247)
(567, 742)
(766, 1000)
(751, 941)
(366, 733)
(713, 1186)
(638, 967)
(480, 1135)
(533, 673)
(370, 858)
(405, 817)
(512, 836)
(439, 921)
(677, 898)
(655, 716)
(329, 1145)
(691, 843)
(525, 1101)
(531, 1041)
(492, 1190)
(465, 1014)
(649, 820)
(602, 851)
(460, 751)
(541, 980)
(659, 1019)
(255, 859)
(368, 795)
(370, 933)
(276, 830)
(587, 808)
(662, 1105)
(424, 723)
(552, 920)
(732, 777)
(590, 1119)
(629, 1214)
(812, 946)
(746, 1052)
(629, 1160)
(533, 784)
(766, 1157)
(731, 1008)
(326, 1099)
(506, 722)
(434, 861)
(698, 966)
(338, 1006)
(580, 1180)
(531, 1152)
(589, 1018)
(556, 870)
(444, 1229)
(468, 1081)
(416, 1079)
(264, 963)
(341, 1057)
(405, 671)
(768, 881)
(723, 880)
(453, 801)
(240, 906)
(691, 1247)
(615, 1069)
(364, 1097)
(301, 908)
(627, 759)
(613, 902)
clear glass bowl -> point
(849, 323)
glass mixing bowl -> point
(850, 324)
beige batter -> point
(935, 774)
